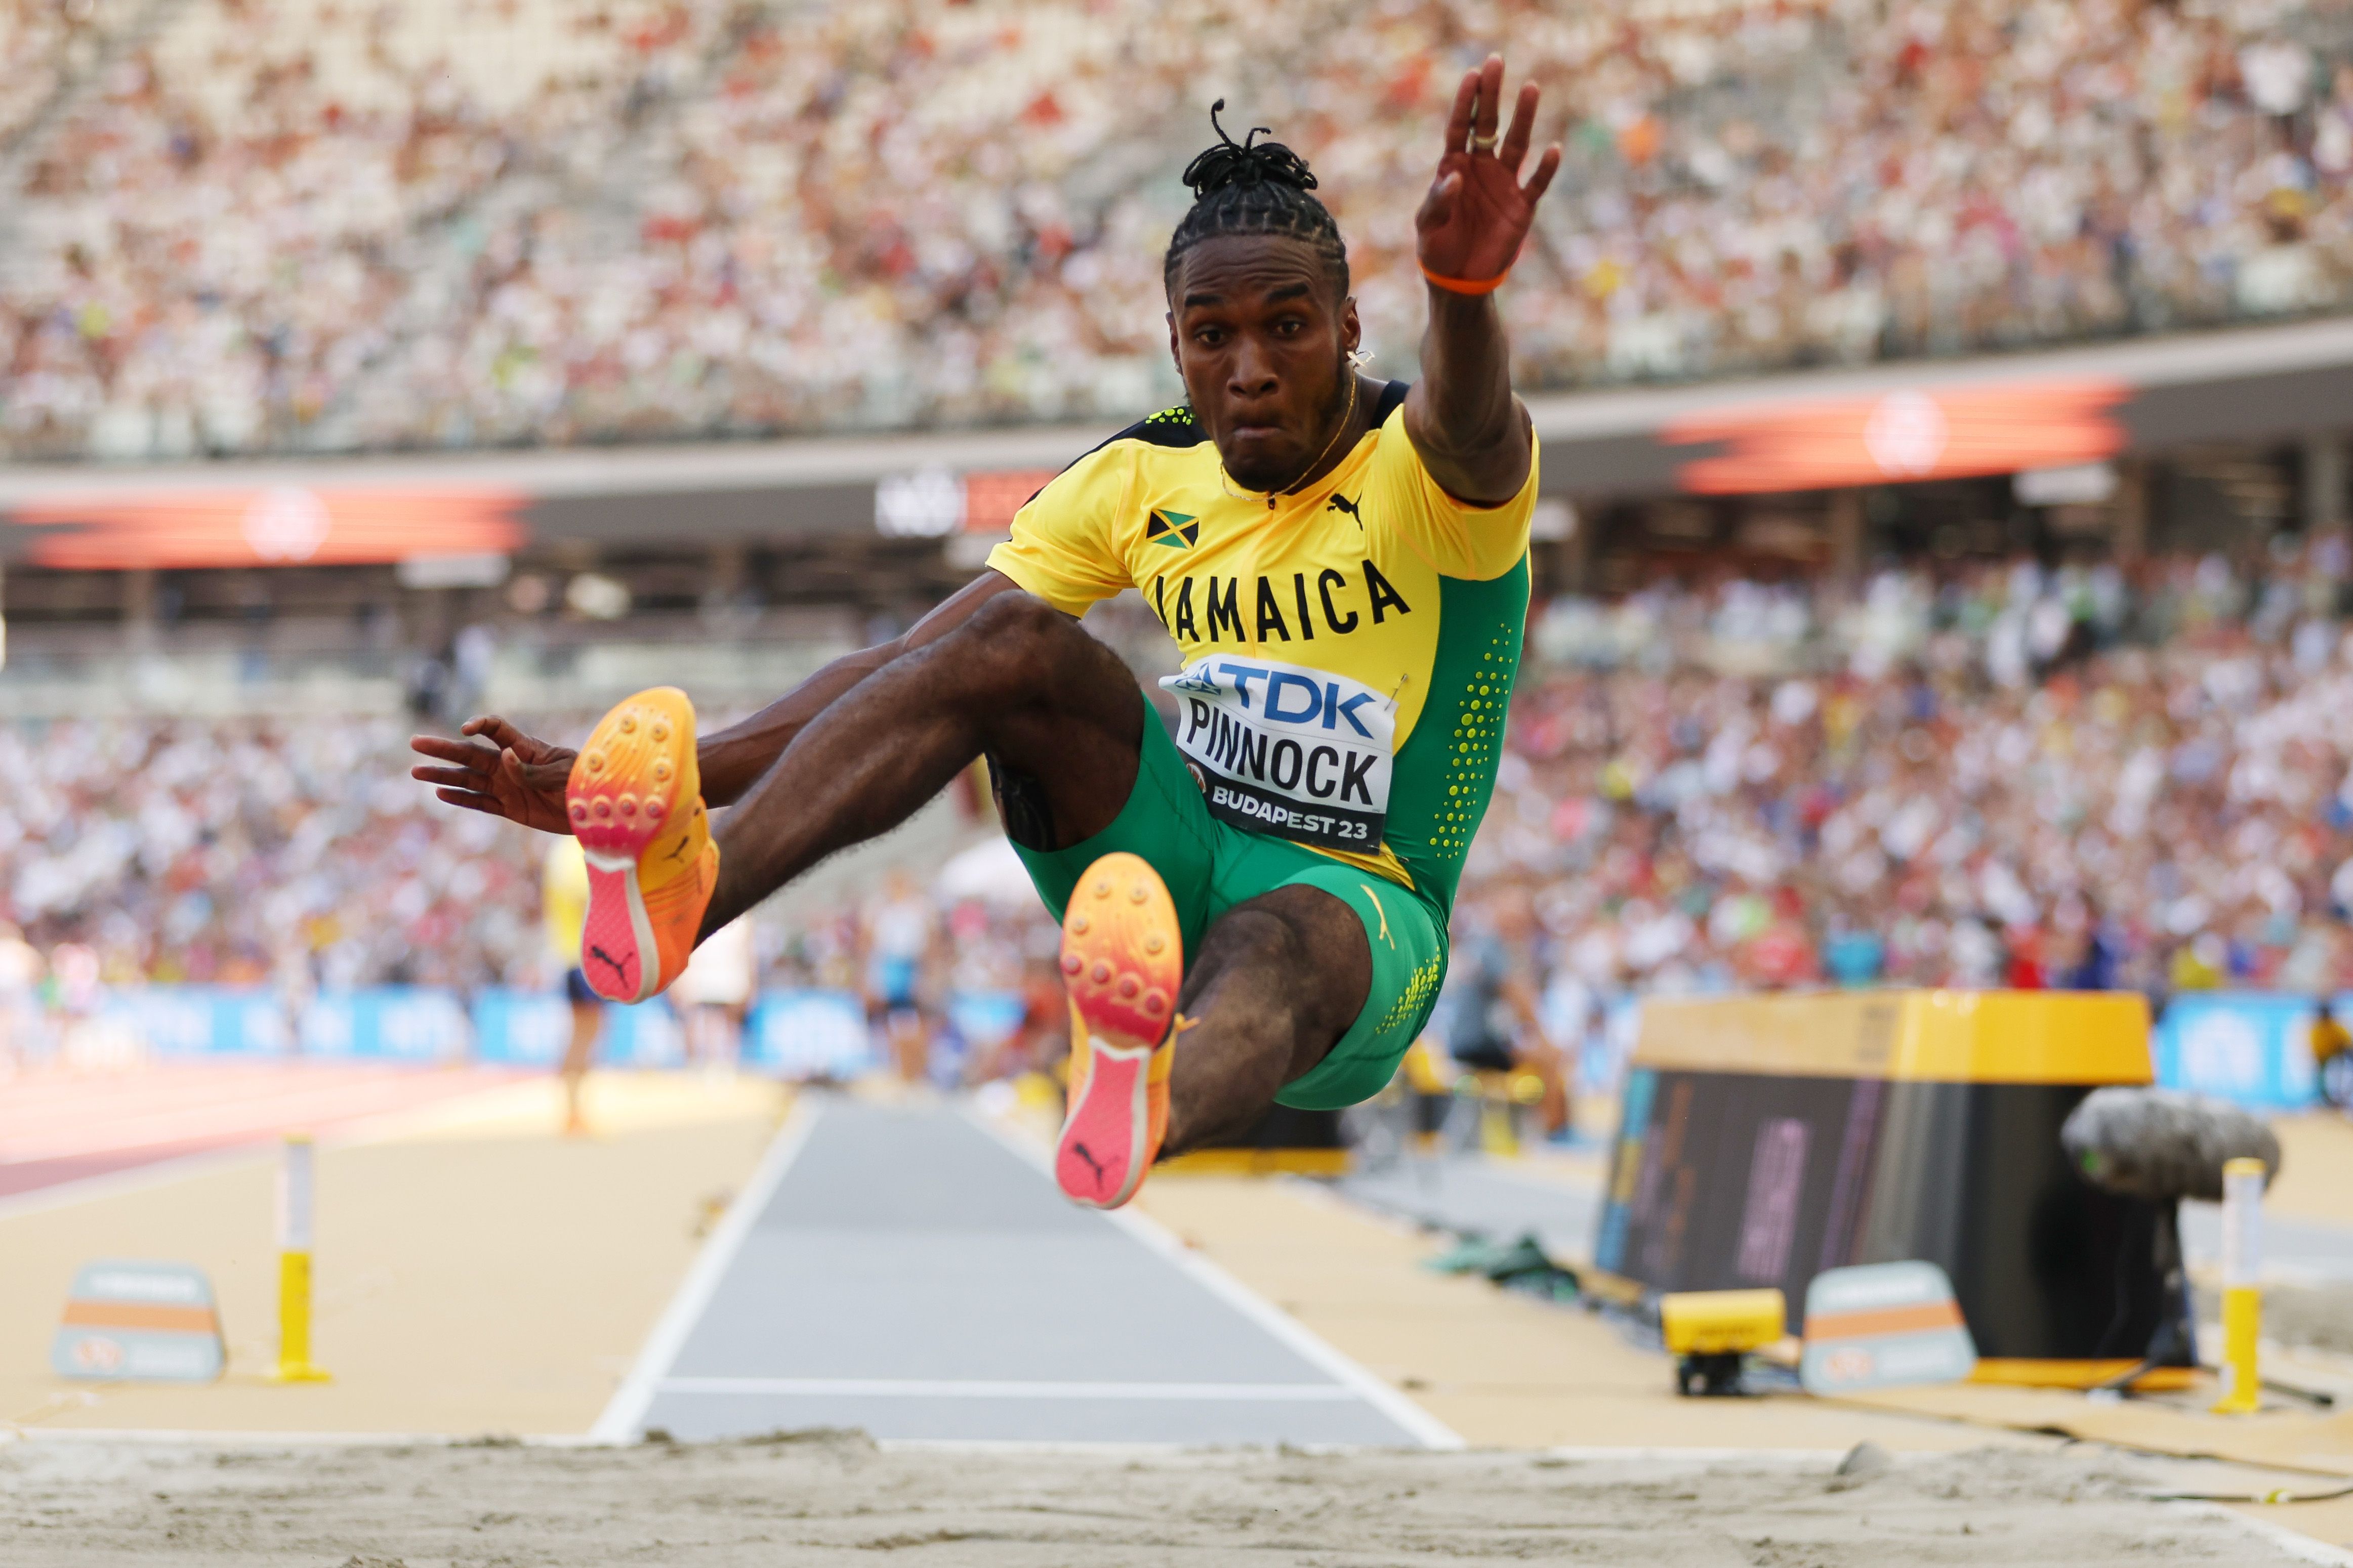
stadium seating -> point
(2010, 777)
(247, 209)
(534, 223)
(2003, 775)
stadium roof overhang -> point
(1815, 430)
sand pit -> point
(821, 1499)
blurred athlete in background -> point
(563, 903)
(713, 995)
(899, 930)
(1254, 908)
(2332, 1055)
(1488, 1016)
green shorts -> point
(1210, 866)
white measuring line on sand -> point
(623, 1414)
(1425, 1428)
(981, 1388)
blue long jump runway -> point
(902, 1271)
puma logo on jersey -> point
(1342, 503)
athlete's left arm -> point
(1471, 433)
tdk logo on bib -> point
(1284, 749)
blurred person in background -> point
(715, 994)
(900, 930)
(1487, 1016)
(2332, 1055)
(1043, 1044)
(20, 999)
(2088, 948)
(563, 886)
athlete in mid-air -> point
(1254, 907)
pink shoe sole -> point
(1123, 960)
(1102, 1155)
(618, 939)
(625, 789)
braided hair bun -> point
(1255, 187)
(1244, 162)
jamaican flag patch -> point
(1174, 528)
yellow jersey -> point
(1348, 650)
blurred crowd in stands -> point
(285, 224)
(44, 46)
(2003, 774)
(294, 853)
(298, 856)
(236, 213)
(2011, 776)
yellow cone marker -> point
(2242, 1295)
(294, 1264)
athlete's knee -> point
(1293, 922)
(1301, 943)
(1014, 644)
(1258, 934)
(1261, 950)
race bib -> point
(1279, 748)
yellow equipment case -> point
(1766, 1139)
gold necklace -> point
(1347, 418)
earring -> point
(1359, 358)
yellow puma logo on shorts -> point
(1384, 914)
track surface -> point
(68, 1127)
(1466, 1191)
(912, 1276)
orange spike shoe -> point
(635, 799)
(1123, 960)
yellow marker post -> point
(294, 1211)
(1497, 1134)
(2243, 1293)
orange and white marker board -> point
(132, 1321)
(1883, 1325)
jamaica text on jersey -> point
(1348, 651)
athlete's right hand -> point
(497, 768)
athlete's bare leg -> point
(1016, 679)
(1279, 979)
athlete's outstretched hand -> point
(1477, 214)
(499, 769)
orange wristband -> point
(1465, 285)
